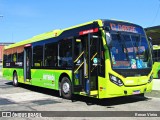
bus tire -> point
(66, 90)
(159, 74)
(15, 79)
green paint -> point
(48, 78)
(156, 68)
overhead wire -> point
(156, 13)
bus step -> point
(93, 93)
(28, 81)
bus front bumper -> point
(117, 91)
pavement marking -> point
(27, 96)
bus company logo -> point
(48, 77)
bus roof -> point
(47, 35)
(57, 32)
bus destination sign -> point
(125, 28)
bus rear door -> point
(27, 62)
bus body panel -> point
(107, 89)
(40, 77)
(156, 68)
(48, 78)
(8, 74)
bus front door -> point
(85, 70)
(27, 63)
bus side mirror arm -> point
(106, 28)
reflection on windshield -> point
(129, 51)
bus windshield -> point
(129, 51)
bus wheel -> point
(66, 88)
(15, 79)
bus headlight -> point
(150, 79)
(115, 80)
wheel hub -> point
(15, 80)
(66, 87)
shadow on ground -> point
(110, 102)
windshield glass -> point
(129, 52)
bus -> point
(101, 59)
(156, 59)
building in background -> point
(154, 33)
(2, 44)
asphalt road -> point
(30, 98)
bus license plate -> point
(136, 92)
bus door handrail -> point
(79, 57)
(79, 67)
(94, 56)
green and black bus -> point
(101, 59)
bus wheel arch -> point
(65, 88)
(15, 78)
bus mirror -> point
(108, 39)
(107, 29)
(150, 39)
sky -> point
(23, 19)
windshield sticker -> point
(113, 60)
(133, 64)
(139, 63)
(95, 60)
(48, 77)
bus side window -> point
(5, 58)
(50, 58)
(154, 55)
(158, 56)
(38, 55)
(65, 53)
